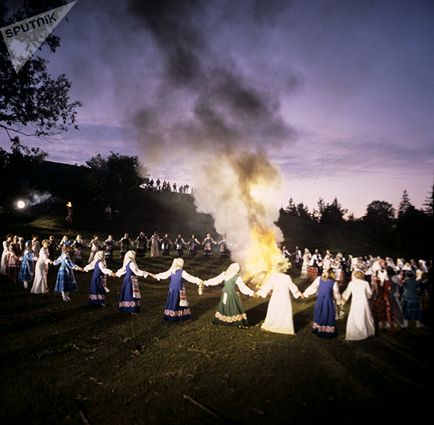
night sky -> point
(339, 94)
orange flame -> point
(263, 254)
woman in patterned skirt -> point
(230, 311)
(324, 313)
(65, 282)
(27, 270)
(177, 306)
(98, 285)
(129, 300)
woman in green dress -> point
(230, 311)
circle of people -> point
(385, 294)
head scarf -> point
(232, 270)
(99, 256)
(178, 263)
(129, 256)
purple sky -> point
(340, 94)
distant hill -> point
(164, 212)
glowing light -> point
(69, 204)
(21, 204)
(263, 254)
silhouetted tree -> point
(115, 179)
(405, 206)
(32, 103)
(379, 221)
(429, 203)
(333, 213)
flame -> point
(263, 254)
(244, 204)
(69, 204)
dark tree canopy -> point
(116, 178)
(32, 102)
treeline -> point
(407, 229)
(116, 179)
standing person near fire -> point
(65, 281)
(177, 307)
(324, 313)
(230, 311)
(360, 323)
(40, 283)
(279, 312)
(223, 249)
(129, 299)
(98, 283)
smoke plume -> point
(212, 110)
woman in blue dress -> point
(129, 300)
(324, 313)
(177, 307)
(98, 284)
(27, 270)
(65, 282)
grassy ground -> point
(69, 363)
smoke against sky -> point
(339, 95)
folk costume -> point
(154, 241)
(324, 313)
(230, 311)
(207, 243)
(360, 323)
(193, 245)
(177, 306)
(108, 246)
(65, 281)
(279, 312)
(40, 284)
(98, 283)
(129, 299)
(125, 245)
(27, 269)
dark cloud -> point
(226, 107)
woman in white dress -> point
(279, 313)
(40, 284)
(360, 323)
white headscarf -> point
(282, 265)
(99, 256)
(232, 270)
(129, 256)
(178, 263)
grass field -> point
(69, 363)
